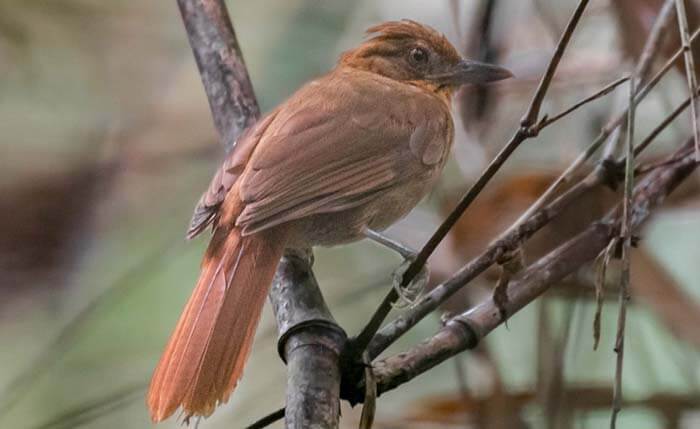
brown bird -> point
(351, 152)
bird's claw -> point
(410, 294)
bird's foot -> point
(413, 291)
(410, 294)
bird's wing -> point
(338, 144)
(207, 208)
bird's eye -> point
(418, 56)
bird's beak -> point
(475, 72)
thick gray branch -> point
(223, 71)
(310, 340)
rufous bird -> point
(351, 152)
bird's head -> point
(415, 53)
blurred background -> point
(107, 142)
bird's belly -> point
(329, 229)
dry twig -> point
(626, 240)
(528, 128)
(575, 166)
(603, 263)
(465, 331)
(513, 237)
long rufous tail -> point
(205, 356)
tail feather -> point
(207, 351)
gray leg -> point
(390, 243)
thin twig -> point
(646, 168)
(603, 263)
(652, 47)
(613, 142)
(689, 70)
(268, 419)
(359, 344)
(626, 239)
(603, 92)
(533, 112)
(369, 407)
(466, 330)
(662, 126)
(575, 166)
(656, 37)
(509, 241)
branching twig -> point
(465, 330)
(510, 240)
(601, 93)
(575, 166)
(359, 344)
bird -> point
(349, 153)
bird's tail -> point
(205, 356)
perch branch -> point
(466, 330)
(528, 128)
(222, 69)
(508, 242)
(310, 340)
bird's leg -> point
(409, 294)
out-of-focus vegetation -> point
(107, 142)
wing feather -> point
(331, 147)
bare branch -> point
(652, 47)
(662, 126)
(575, 166)
(601, 93)
(359, 344)
(533, 112)
(223, 71)
(310, 343)
(466, 330)
(509, 241)
(310, 340)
